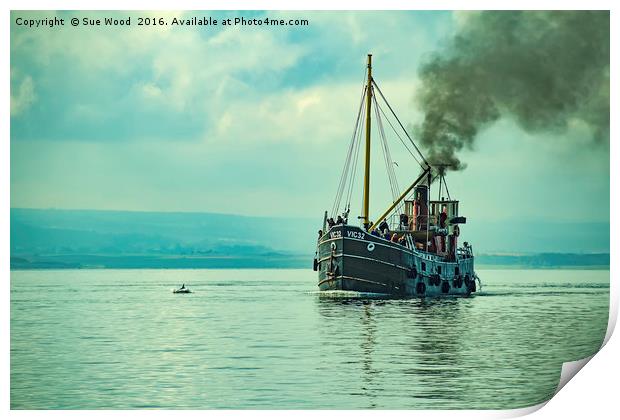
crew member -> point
(443, 217)
(416, 212)
(404, 221)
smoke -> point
(546, 70)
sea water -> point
(266, 339)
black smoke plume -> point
(544, 69)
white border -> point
(594, 394)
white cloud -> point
(319, 114)
(23, 97)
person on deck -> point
(452, 246)
(416, 213)
(384, 226)
(404, 221)
(443, 217)
(439, 244)
(330, 222)
(339, 221)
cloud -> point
(322, 114)
(162, 83)
(23, 96)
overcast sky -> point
(257, 120)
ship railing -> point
(465, 251)
(394, 222)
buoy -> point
(445, 287)
(471, 285)
(420, 288)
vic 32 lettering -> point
(356, 235)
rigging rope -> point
(446, 186)
(401, 125)
(398, 135)
(345, 169)
(389, 165)
(355, 160)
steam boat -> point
(412, 248)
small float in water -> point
(182, 289)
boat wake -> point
(347, 294)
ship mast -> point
(365, 209)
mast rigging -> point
(366, 202)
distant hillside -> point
(87, 231)
(90, 238)
(545, 260)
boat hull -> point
(350, 259)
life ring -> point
(413, 272)
(471, 284)
(371, 247)
(420, 288)
(333, 246)
(445, 287)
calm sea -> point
(119, 339)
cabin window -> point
(423, 266)
(457, 271)
(438, 269)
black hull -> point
(350, 259)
